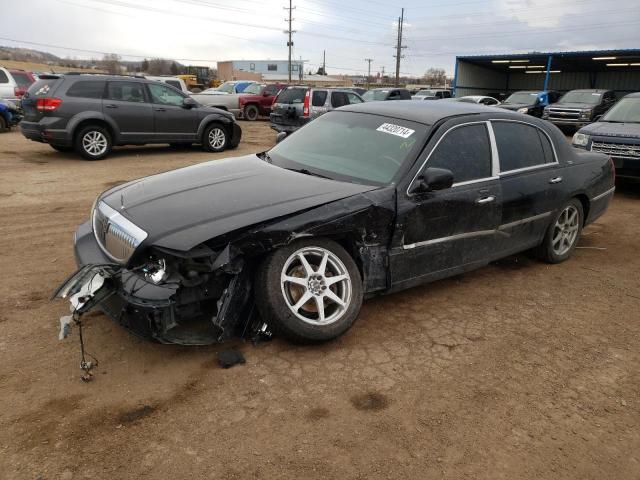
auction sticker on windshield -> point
(395, 130)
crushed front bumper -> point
(168, 313)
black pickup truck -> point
(578, 108)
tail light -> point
(19, 92)
(305, 108)
(48, 104)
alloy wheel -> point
(94, 143)
(316, 285)
(217, 138)
(565, 231)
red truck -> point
(257, 99)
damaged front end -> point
(199, 297)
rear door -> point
(172, 120)
(531, 181)
(127, 104)
(456, 227)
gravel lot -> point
(520, 370)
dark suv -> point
(578, 108)
(92, 113)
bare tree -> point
(435, 77)
(111, 63)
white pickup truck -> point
(226, 96)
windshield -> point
(375, 95)
(528, 98)
(352, 147)
(626, 110)
(226, 87)
(254, 88)
(591, 98)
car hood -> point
(183, 208)
(609, 129)
(577, 106)
(514, 106)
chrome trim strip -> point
(526, 169)
(553, 146)
(478, 233)
(124, 226)
(540, 216)
(493, 148)
(602, 195)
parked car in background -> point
(297, 105)
(175, 82)
(359, 90)
(432, 94)
(578, 108)
(382, 94)
(530, 102)
(14, 83)
(92, 113)
(233, 86)
(616, 133)
(225, 97)
(257, 99)
(482, 100)
(366, 200)
(10, 115)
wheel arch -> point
(95, 120)
(586, 205)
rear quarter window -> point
(86, 89)
(521, 146)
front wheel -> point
(93, 142)
(310, 291)
(215, 138)
(563, 234)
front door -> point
(127, 104)
(172, 120)
(440, 232)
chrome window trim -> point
(467, 182)
(477, 233)
(604, 194)
(534, 167)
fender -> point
(93, 115)
(213, 117)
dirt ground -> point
(519, 370)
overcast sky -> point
(205, 31)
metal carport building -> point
(497, 75)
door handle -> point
(160, 109)
(488, 199)
(111, 105)
(556, 180)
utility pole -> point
(290, 32)
(368, 60)
(324, 62)
(399, 48)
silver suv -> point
(295, 106)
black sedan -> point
(368, 199)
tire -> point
(277, 297)
(251, 113)
(563, 233)
(93, 142)
(3, 125)
(215, 138)
(61, 148)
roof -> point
(274, 77)
(622, 52)
(427, 113)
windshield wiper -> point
(308, 172)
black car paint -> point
(621, 135)
(374, 224)
(130, 123)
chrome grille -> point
(617, 149)
(117, 236)
(563, 114)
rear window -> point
(22, 79)
(41, 88)
(292, 95)
(319, 98)
(86, 89)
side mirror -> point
(281, 136)
(433, 179)
(189, 102)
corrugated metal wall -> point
(476, 80)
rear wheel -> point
(215, 138)
(310, 291)
(93, 142)
(251, 113)
(563, 234)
